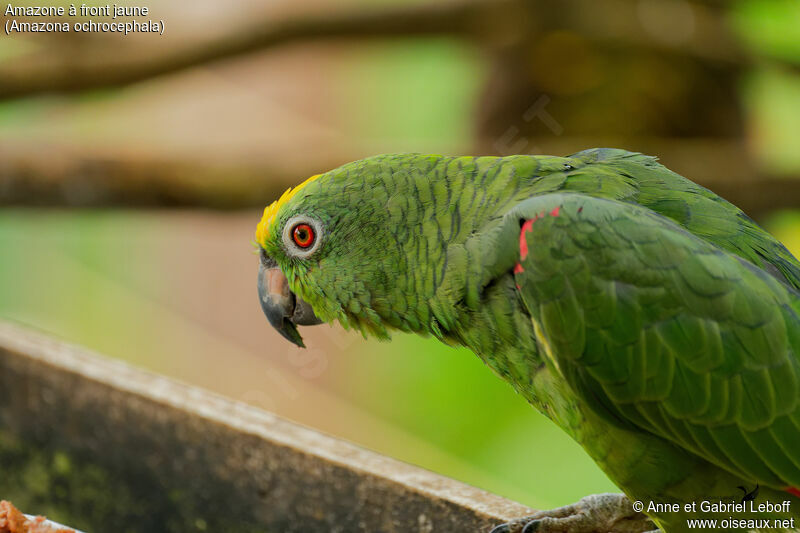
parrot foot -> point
(611, 513)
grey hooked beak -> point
(284, 310)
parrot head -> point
(329, 250)
(377, 244)
(291, 240)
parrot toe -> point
(610, 513)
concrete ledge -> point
(99, 445)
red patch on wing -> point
(518, 268)
(526, 227)
(523, 244)
(793, 491)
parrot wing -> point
(692, 206)
(661, 331)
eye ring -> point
(302, 236)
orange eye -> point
(303, 235)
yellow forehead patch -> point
(265, 226)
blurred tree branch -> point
(96, 69)
(83, 177)
(614, 22)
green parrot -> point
(650, 319)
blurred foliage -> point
(773, 97)
(453, 399)
(410, 94)
(785, 225)
(770, 27)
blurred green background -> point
(129, 206)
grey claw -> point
(502, 528)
